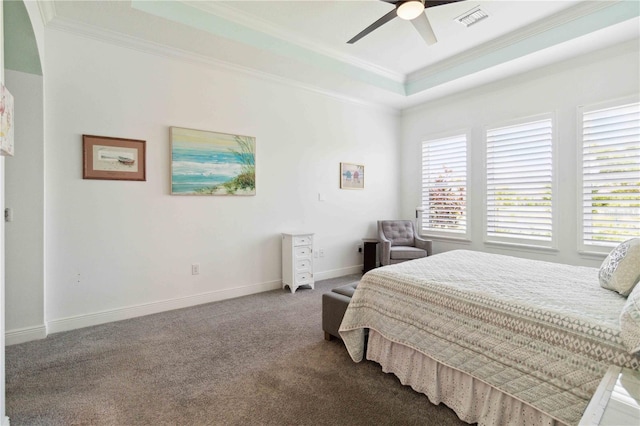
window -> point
(444, 186)
(520, 182)
(610, 196)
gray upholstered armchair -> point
(399, 242)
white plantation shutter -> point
(444, 186)
(519, 183)
(610, 175)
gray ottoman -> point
(334, 305)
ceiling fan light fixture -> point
(410, 9)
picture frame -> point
(351, 176)
(108, 158)
(6, 122)
(212, 163)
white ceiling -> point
(304, 41)
(396, 46)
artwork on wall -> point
(6, 121)
(351, 176)
(113, 158)
(211, 163)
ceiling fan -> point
(410, 10)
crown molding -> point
(148, 47)
(531, 39)
(47, 11)
(520, 77)
(228, 13)
(520, 35)
(184, 14)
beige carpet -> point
(258, 359)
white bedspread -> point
(543, 333)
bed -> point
(499, 339)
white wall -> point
(24, 194)
(114, 247)
(560, 89)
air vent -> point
(471, 17)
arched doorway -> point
(22, 188)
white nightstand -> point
(616, 402)
(297, 260)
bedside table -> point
(369, 255)
(616, 402)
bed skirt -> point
(471, 399)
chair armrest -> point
(385, 252)
(424, 244)
(385, 247)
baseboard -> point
(80, 321)
(88, 320)
(6, 421)
(27, 334)
(335, 273)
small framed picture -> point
(113, 158)
(351, 176)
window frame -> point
(515, 242)
(591, 250)
(444, 234)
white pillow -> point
(620, 271)
(630, 321)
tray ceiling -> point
(304, 42)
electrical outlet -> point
(321, 252)
(359, 248)
(195, 269)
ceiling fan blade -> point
(380, 22)
(427, 3)
(422, 25)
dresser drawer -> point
(304, 277)
(303, 265)
(304, 251)
(302, 240)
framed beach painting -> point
(113, 158)
(351, 176)
(212, 163)
(6, 121)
